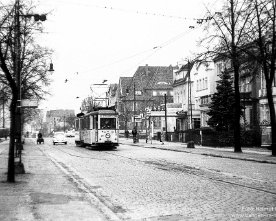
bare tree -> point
(88, 104)
(225, 38)
(263, 50)
(20, 56)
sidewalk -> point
(260, 155)
(44, 192)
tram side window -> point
(77, 124)
(95, 122)
(82, 123)
(108, 123)
(91, 122)
(86, 123)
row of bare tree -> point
(244, 32)
(23, 62)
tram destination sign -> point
(107, 116)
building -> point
(184, 93)
(205, 78)
(265, 112)
(145, 90)
(60, 120)
(111, 94)
(122, 104)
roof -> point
(124, 82)
(154, 77)
(150, 78)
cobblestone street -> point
(136, 183)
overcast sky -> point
(94, 40)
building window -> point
(138, 92)
(163, 93)
(196, 123)
(154, 93)
(206, 83)
(200, 85)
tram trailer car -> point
(99, 128)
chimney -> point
(147, 69)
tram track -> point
(199, 172)
(212, 175)
(112, 212)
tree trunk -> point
(11, 167)
(237, 128)
(236, 66)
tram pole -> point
(134, 97)
(166, 127)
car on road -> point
(23, 139)
(69, 134)
(59, 137)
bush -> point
(251, 138)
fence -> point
(210, 137)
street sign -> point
(29, 103)
(137, 119)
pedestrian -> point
(39, 135)
(127, 133)
(162, 136)
(134, 134)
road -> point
(141, 183)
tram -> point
(98, 128)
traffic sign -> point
(29, 103)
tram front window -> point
(108, 123)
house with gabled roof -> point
(121, 103)
(144, 91)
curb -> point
(206, 154)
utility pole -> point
(134, 97)
(3, 106)
(3, 111)
(190, 94)
(166, 125)
(18, 75)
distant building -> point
(59, 120)
(111, 94)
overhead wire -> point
(153, 50)
(140, 12)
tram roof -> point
(103, 112)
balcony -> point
(262, 92)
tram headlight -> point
(107, 135)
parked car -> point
(69, 134)
(23, 139)
(59, 137)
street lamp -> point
(51, 69)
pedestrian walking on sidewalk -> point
(134, 134)
(127, 134)
(162, 136)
